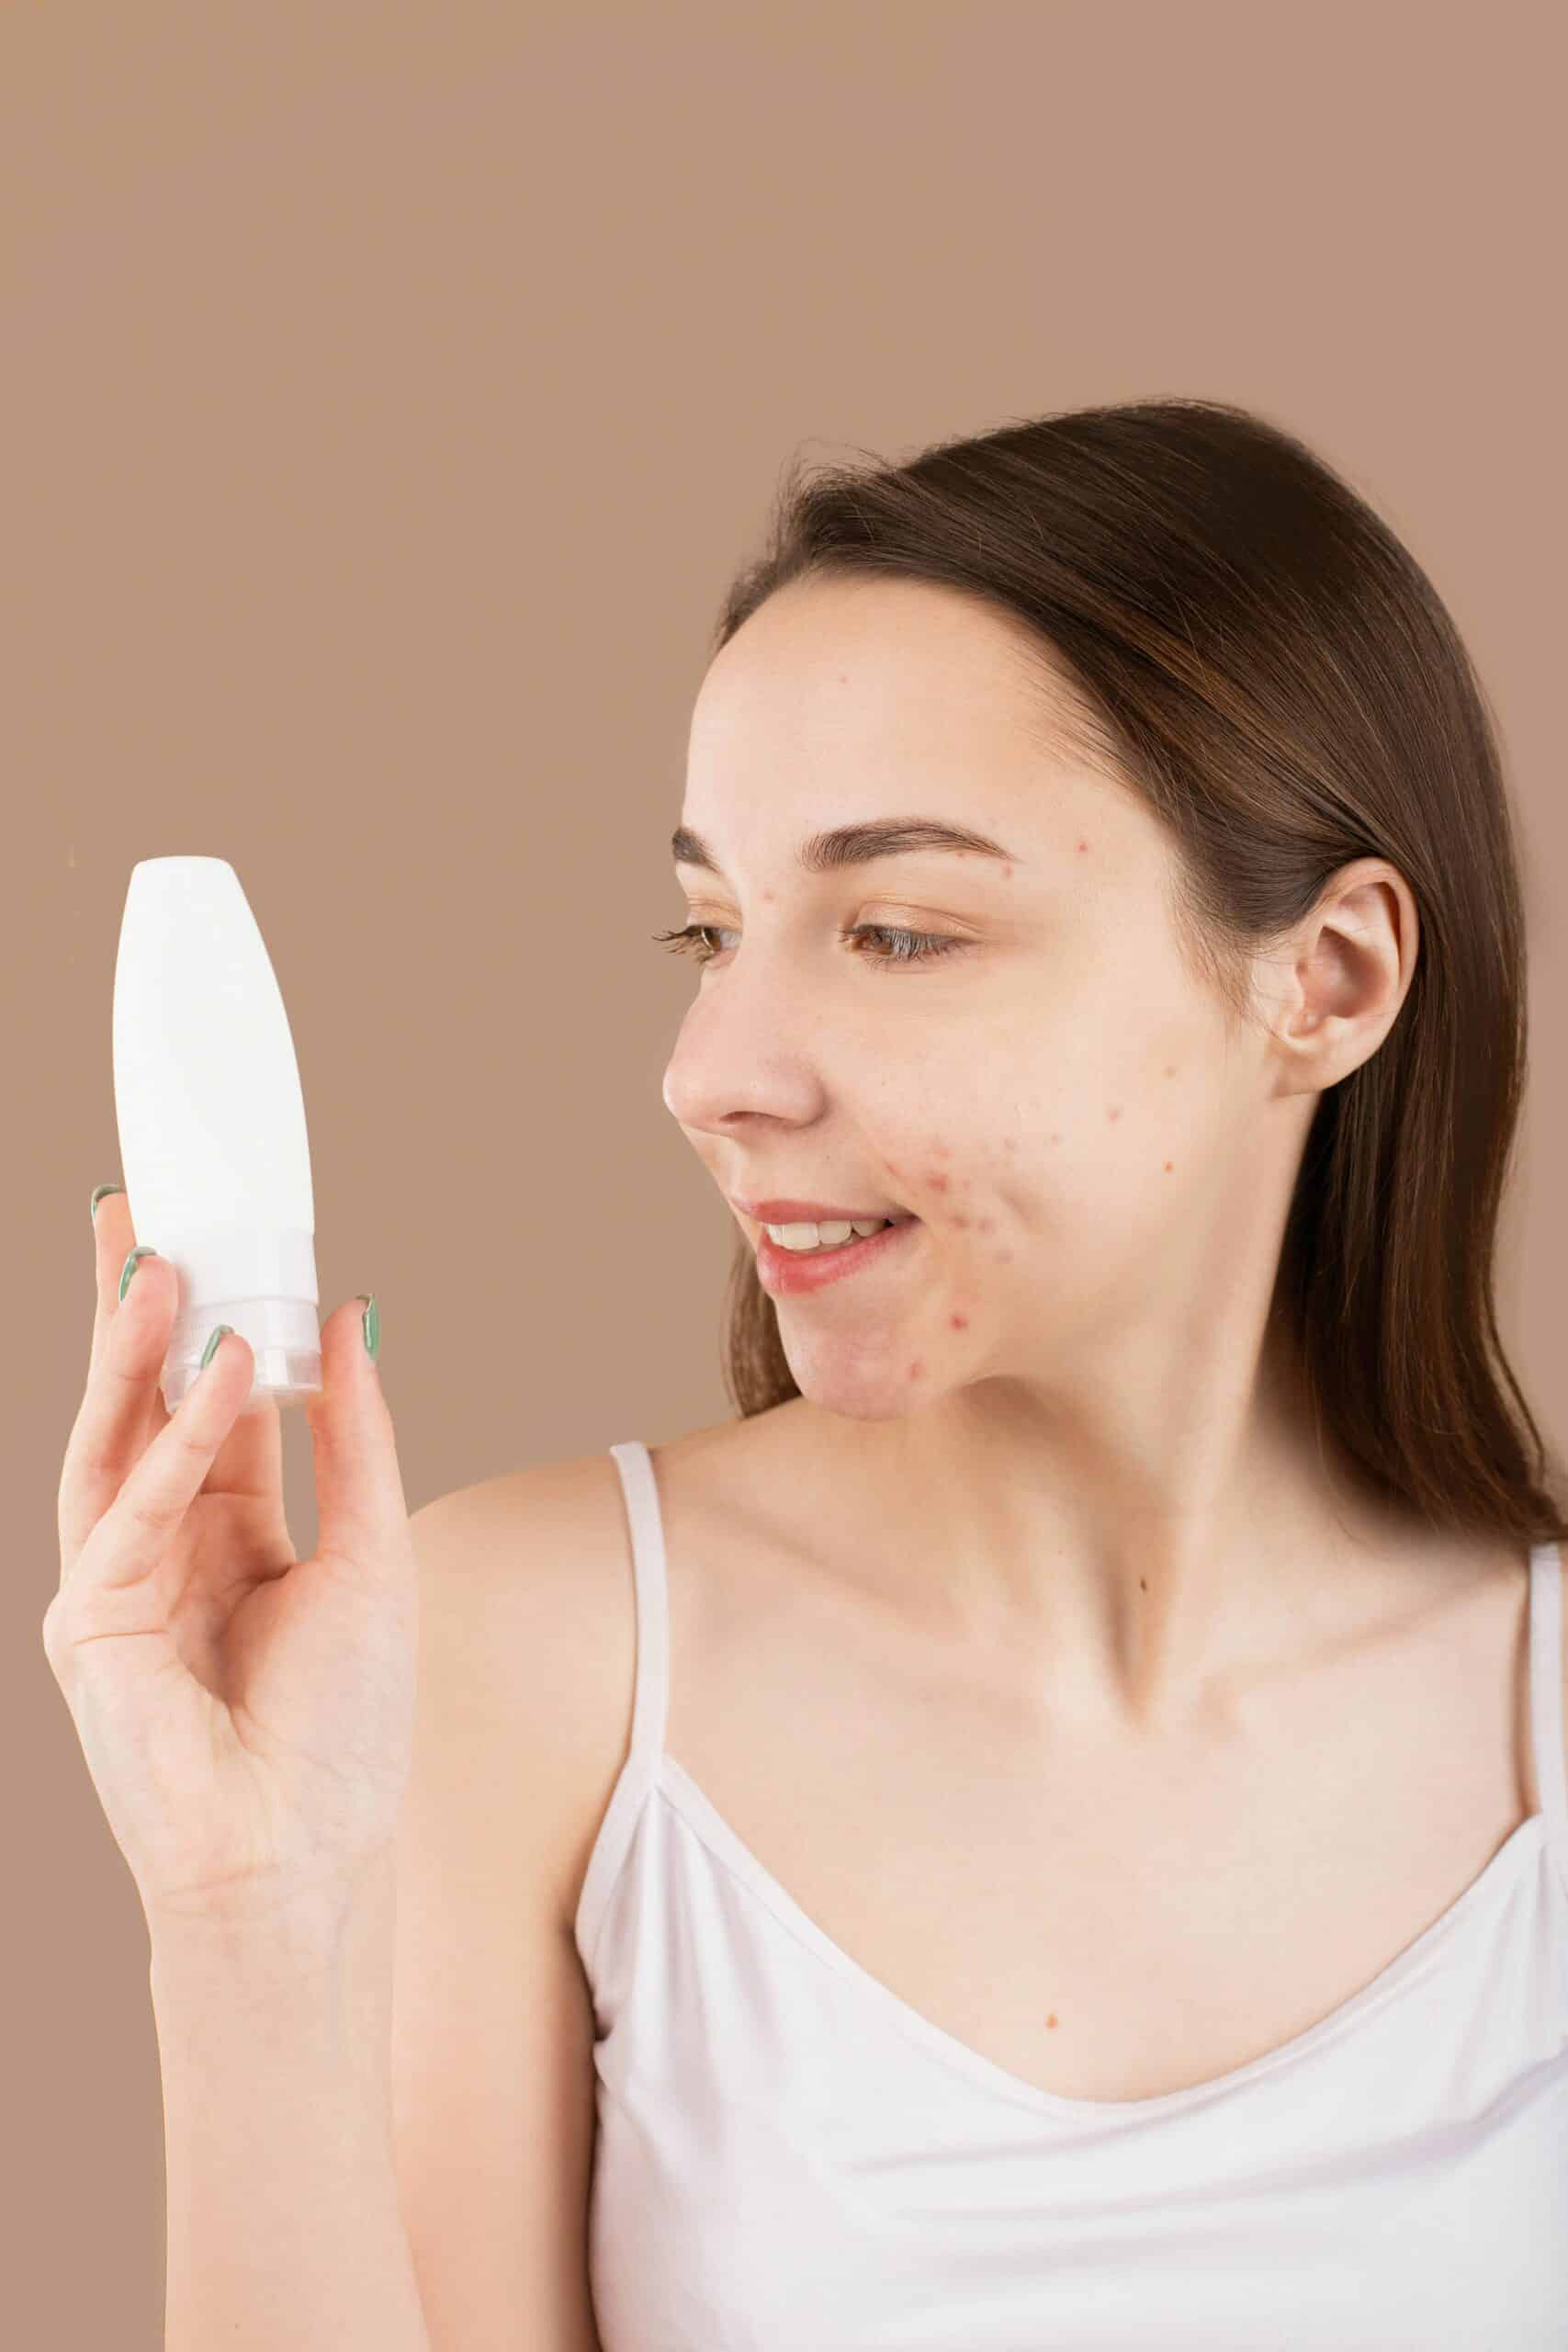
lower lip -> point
(792, 1273)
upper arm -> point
(525, 1654)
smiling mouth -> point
(840, 1216)
(788, 1271)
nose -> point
(748, 1049)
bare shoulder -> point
(525, 1649)
(1507, 1556)
(527, 1577)
(527, 1600)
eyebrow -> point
(857, 845)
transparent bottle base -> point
(284, 1380)
(283, 1335)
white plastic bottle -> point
(213, 1148)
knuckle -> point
(193, 1448)
(121, 1374)
(147, 1511)
(158, 1494)
(56, 1639)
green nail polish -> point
(127, 1273)
(211, 1348)
(98, 1196)
(370, 1323)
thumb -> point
(361, 1510)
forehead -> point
(832, 671)
(846, 700)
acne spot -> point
(937, 1181)
(916, 1369)
(959, 1219)
(959, 1322)
(893, 1170)
(1004, 1257)
(1116, 1114)
(945, 1151)
(1168, 1166)
(769, 895)
(1055, 1139)
(985, 1224)
(1007, 874)
(1052, 2019)
(1083, 845)
(1011, 1144)
(1170, 1069)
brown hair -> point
(1245, 643)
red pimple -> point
(1052, 2019)
(916, 1369)
(1116, 1114)
(1010, 1144)
(937, 1181)
(959, 1322)
(1168, 1166)
(944, 1151)
(958, 1219)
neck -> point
(1131, 1541)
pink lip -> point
(811, 1213)
(785, 1273)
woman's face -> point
(1086, 1138)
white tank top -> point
(790, 2158)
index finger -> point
(114, 1238)
(250, 1460)
(100, 1315)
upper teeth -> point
(811, 1236)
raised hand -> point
(246, 1718)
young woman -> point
(1050, 1827)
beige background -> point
(389, 393)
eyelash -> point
(928, 944)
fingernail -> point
(127, 1273)
(370, 1323)
(98, 1196)
(210, 1349)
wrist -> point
(270, 1925)
(315, 1963)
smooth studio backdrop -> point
(389, 393)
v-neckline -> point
(683, 1794)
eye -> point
(917, 947)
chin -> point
(870, 1392)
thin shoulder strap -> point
(650, 1699)
(1546, 1692)
(628, 1798)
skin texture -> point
(1063, 1416)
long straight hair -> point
(1246, 644)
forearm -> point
(284, 2229)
